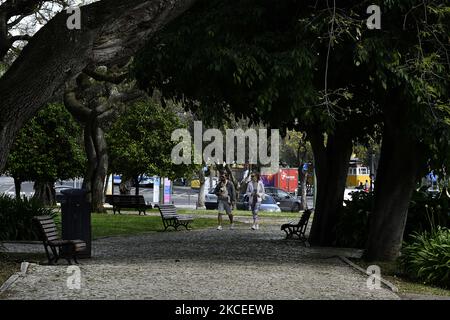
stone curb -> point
(386, 283)
(8, 283)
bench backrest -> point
(167, 211)
(48, 228)
(127, 199)
(304, 219)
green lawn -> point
(391, 272)
(107, 225)
(243, 213)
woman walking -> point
(255, 193)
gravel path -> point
(203, 264)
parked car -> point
(144, 181)
(117, 179)
(287, 201)
(268, 204)
(211, 200)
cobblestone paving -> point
(203, 264)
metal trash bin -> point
(76, 218)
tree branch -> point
(75, 107)
(112, 31)
(24, 37)
(115, 78)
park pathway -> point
(202, 264)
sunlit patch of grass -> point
(107, 225)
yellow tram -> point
(357, 175)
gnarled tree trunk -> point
(45, 192)
(125, 185)
(95, 145)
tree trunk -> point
(331, 165)
(112, 31)
(17, 187)
(201, 192)
(304, 179)
(45, 193)
(105, 189)
(125, 185)
(96, 151)
(233, 179)
(400, 161)
(136, 185)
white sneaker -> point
(232, 226)
(219, 228)
(257, 227)
(253, 227)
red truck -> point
(285, 178)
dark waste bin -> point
(76, 218)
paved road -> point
(203, 264)
(182, 196)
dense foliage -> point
(48, 148)
(139, 142)
(425, 211)
(426, 257)
(352, 225)
(274, 61)
(16, 218)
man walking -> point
(225, 198)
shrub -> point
(425, 211)
(351, 228)
(427, 257)
(16, 218)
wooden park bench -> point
(126, 201)
(299, 228)
(66, 249)
(170, 218)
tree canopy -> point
(48, 148)
(139, 141)
(317, 62)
